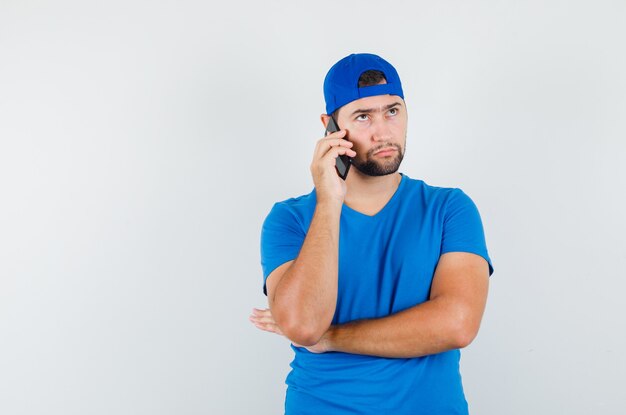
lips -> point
(385, 151)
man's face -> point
(377, 127)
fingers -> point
(328, 184)
(335, 152)
(269, 327)
(331, 141)
(337, 134)
(262, 316)
(328, 150)
(326, 164)
(263, 319)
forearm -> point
(304, 300)
(432, 327)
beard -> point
(382, 167)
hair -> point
(367, 78)
(370, 78)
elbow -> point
(302, 332)
(463, 338)
(305, 338)
(463, 331)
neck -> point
(362, 188)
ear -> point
(325, 119)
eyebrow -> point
(368, 110)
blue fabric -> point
(386, 264)
(341, 85)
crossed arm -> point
(450, 319)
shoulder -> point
(296, 209)
(297, 205)
(298, 202)
(432, 195)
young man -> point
(377, 280)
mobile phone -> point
(343, 162)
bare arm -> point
(302, 294)
(450, 319)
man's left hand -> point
(263, 320)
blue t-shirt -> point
(386, 264)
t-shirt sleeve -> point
(463, 228)
(282, 237)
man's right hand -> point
(329, 187)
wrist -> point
(329, 204)
(328, 199)
(328, 340)
(328, 212)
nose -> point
(381, 130)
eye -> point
(362, 117)
(393, 111)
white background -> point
(142, 143)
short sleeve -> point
(282, 237)
(463, 228)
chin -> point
(375, 168)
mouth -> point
(387, 151)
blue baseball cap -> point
(341, 85)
